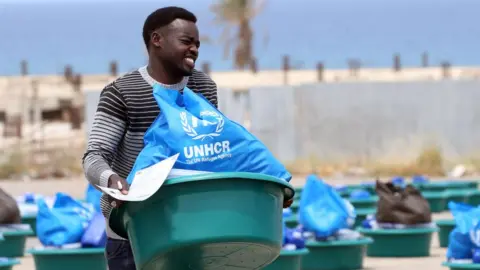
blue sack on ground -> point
(322, 211)
(64, 223)
(206, 140)
(360, 194)
(459, 245)
(95, 234)
(398, 181)
(419, 179)
(93, 195)
(465, 237)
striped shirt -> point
(126, 110)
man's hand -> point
(289, 194)
(287, 203)
(116, 182)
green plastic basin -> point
(298, 193)
(457, 195)
(364, 203)
(8, 263)
(445, 185)
(399, 242)
(13, 245)
(71, 259)
(295, 206)
(474, 197)
(291, 221)
(32, 221)
(459, 266)
(335, 255)
(437, 200)
(362, 215)
(288, 260)
(222, 220)
(369, 188)
(445, 226)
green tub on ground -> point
(13, 245)
(288, 260)
(457, 195)
(222, 220)
(399, 242)
(298, 193)
(295, 206)
(8, 263)
(366, 203)
(369, 188)
(291, 221)
(71, 259)
(445, 226)
(461, 266)
(32, 221)
(474, 197)
(444, 185)
(437, 200)
(335, 255)
(362, 215)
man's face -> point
(179, 46)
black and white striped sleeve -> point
(108, 129)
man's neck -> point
(152, 81)
(160, 73)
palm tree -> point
(238, 14)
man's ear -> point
(157, 39)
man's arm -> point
(107, 131)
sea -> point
(88, 34)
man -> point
(127, 108)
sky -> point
(87, 33)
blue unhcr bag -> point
(205, 139)
(64, 223)
(322, 210)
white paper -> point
(146, 182)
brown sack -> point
(401, 206)
(9, 211)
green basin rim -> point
(370, 199)
(67, 251)
(434, 195)
(365, 211)
(18, 233)
(358, 242)
(229, 175)
(32, 216)
(10, 262)
(291, 218)
(462, 265)
(298, 252)
(397, 231)
(445, 222)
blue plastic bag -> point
(93, 195)
(459, 245)
(398, 181)
(419, 179)
(322, 210)
(63, 224)
(465, 237)
(360, 194)
(95, 235)
(206, 140)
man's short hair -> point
(163, 17)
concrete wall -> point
(354, 121)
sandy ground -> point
(76, 188)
